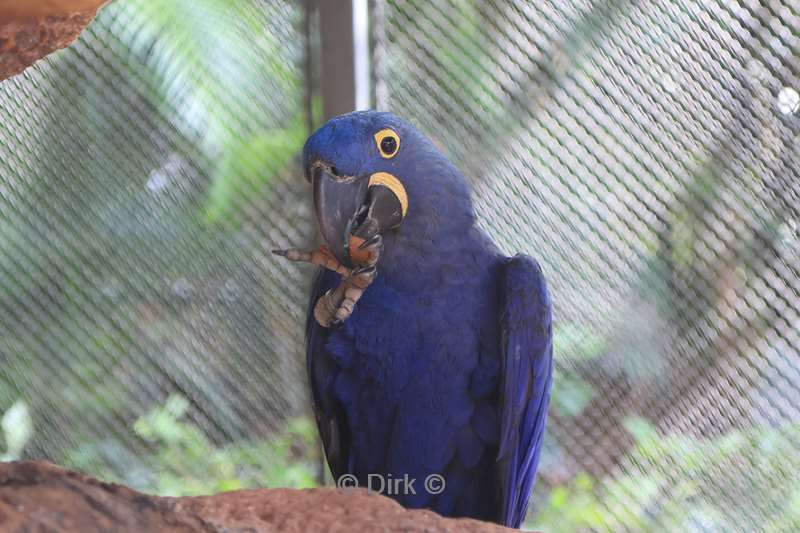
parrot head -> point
(374, 167)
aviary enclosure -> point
(647, 153)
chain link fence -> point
(645, 152)
(146, 171)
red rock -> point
(29, 30)
(38, 496)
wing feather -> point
(322, 373)
(527, 366)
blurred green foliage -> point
(146, 148)
(208, 71)
(681, 483)
(247, 163)
(667, 482)
(182, 461)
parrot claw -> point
(363, 270)
(375, 239)
(336, 306)
(355, 225)
(325, 308)
(321, 257)
(374, 247)
(350, 291)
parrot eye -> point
(388, 143)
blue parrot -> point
(429, 352)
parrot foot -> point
(321, 257)
(336, 306)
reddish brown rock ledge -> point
(41, 497)
(31, 29)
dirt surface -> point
(31, 29)
(41, 497)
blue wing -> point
(322, 373)
(527, 358)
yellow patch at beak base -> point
(394, 185)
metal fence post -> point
(337, 57)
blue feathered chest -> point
(414, 366)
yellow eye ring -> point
(388, 143)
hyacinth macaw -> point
(429, 351)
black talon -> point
(369, 242)
(335, 323)
(282, 253)
(362, 270)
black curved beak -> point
(353, 205)
(337, 199)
